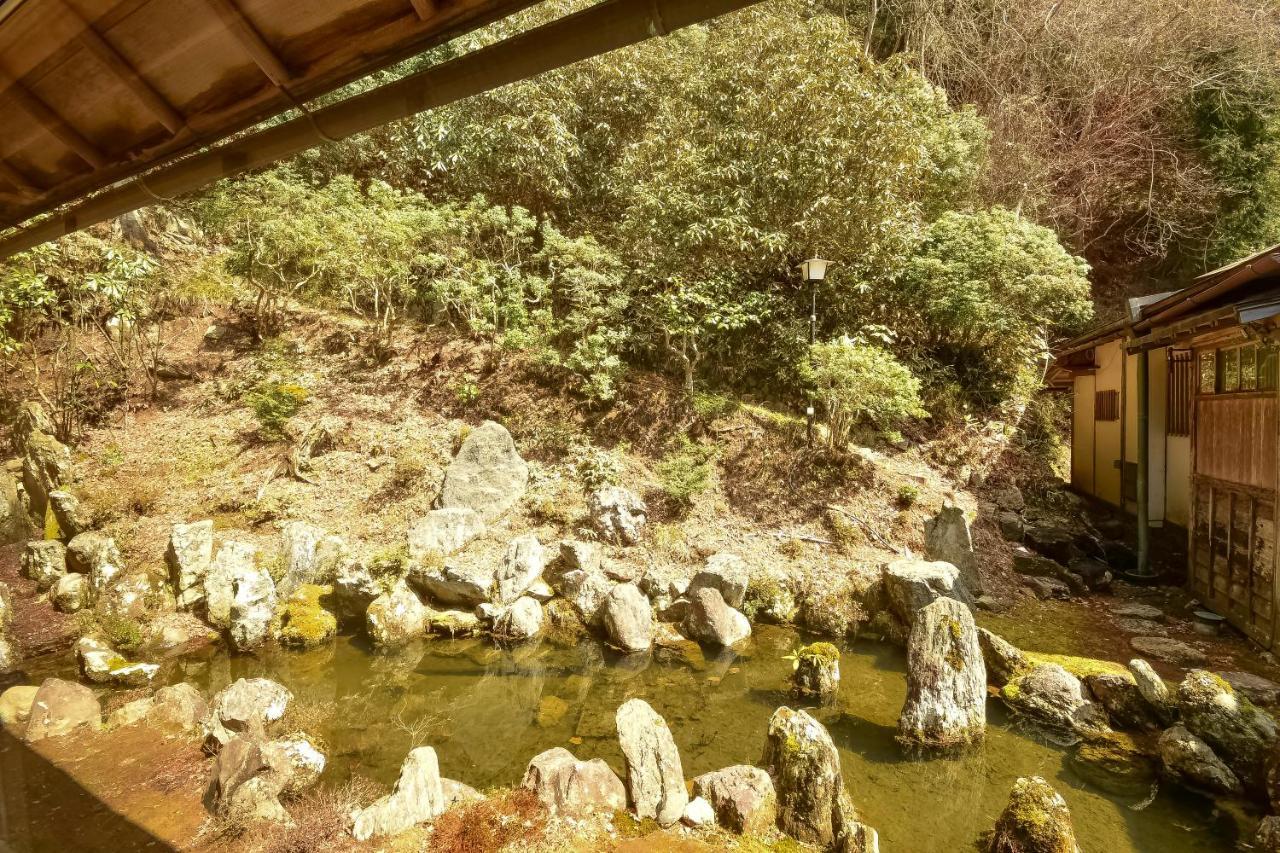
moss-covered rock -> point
(1116, 762)
(304, 622)
(1003, 660)
(1241, 734)
(946, 679)
(817, 671)
(1055, 698)
(1036, 820)
(1078, 666)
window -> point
(1245, 368)
(1182, 385)
(1208, 372)
(1228, 370)
(1106, 406)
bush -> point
(907, 496)
(685, 471)
(860, 385)
(595, 466)
(273, 404)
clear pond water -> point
(488, 710)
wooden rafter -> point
(18, 181)
(426, 9)
(51, 121)
(252, 41)
(127, 74)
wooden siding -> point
(1236, 440)
(1233, 556)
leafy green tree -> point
(859, 385)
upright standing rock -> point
(244, 709)
(1036, 820)
(233, 560)
(911, 585)
(710, 620)
(253, 606)
(300, 544)
(1152, 689)
(95, 554)
(813, 805)
(396, 618)
(44, 561)
(521, 567)
(188, 556)
(628, 619)
(655, 779)
(418, 797)
(946, 679)
(947, 538)
(46, 465)
(487, 475)
(817, 672)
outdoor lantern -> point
(815, 269)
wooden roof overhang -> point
(115, 104)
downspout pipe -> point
(1143, 569)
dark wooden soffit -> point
(96, 91)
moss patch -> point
(304, 623)
(1080, 667)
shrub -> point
(861, 385)
(390, 562)
(595, 466)
(466, 392)
(685, 471)
(907, 496)
(273, 403)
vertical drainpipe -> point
(1144, 464)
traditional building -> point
(1176, 419)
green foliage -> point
(594, 466)
(390, 562)
(907, 496)
(273, 404)
(685, 471)
(859, 385)
(985, 293)
(466, 392)
(122, 633)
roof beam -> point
(51, 121)
(21, 186)
(597, 29)
(127, 74)
(426, 9)
(254, 44)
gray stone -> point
(300, 548)
(522, 621)
(71, 517)
(129, 713)
(813, 806)
(567, 786)
(178, 710)
(817, 672)
(244, 709)
(1137, 610)
(628, 618)
(1190, 761)
(443, 532)
(59, 708)
(1046, 588)
(44, 562)
(295, 761)
(14, 525)
(46, 467)
(253, 607)
(71, 593)
(487, 475)
(1152, 689)
(1267, 838)
(243, 788)
(1003, 660)
(1242, 735)
(947, 538)
(1170, 651)
(354, 589)
(710, 620)
(1011, 525)
(1123, 702)
(15, 706)
(1036, 820)
(946, 679)
(726, 573)
(1055, 698)
(655, 779)
(742, 796)
(911, 585)
(232, 561)
(1258, 690)
(101, 664)
(586, 591)
(619, 515)
(583, 556)
(6, 607)
(467, 584)
(457, 793)
(521, 567)
(9, 657)
(30, 420)
(698, 813)
(188, 556)
(95, 554)
(396, 618)
(418, 797)
(1010, 498)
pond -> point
(488, 710)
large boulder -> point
(520, 622)
(813, 805)
(724, 572)
(101, 664)
(1036, 820)
(71, 593)
(947, 538)
(418, 797)
(443, 532)
(95, 554)
(574, 788)
(1190, 761)
(303, 559)
(1003, 659)
(1153, 690)
(946, 679)
(628, 619)
(655, 778)
(253, 607)
(396, 618)
(243, 788)
(911, 585)
(742, 796)
(178, 710)
(233, 560)
(60, 707)
(1055, 698)
(521, 567)
(244, 709)
(188, 556)
(44, 562)
(487, 475)
(710, 620)
(619, 515)
(586, 590)
(46, 466)
(1242, 735)
(68, 514)
(304, 622)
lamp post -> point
(815, 270)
